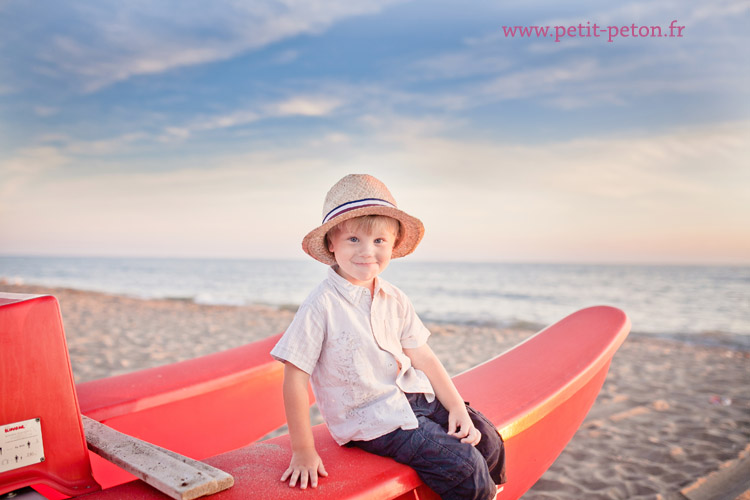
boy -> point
(377, 383)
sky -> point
(214, 129)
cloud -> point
(641, 196)
(96, 67)
(541, 81)
(305, 106)
(720, 9)
(667, 178)
(690, 13)
(103, 147)
(299, 105)
(45, 111)
(24, 169)
(240, 208)
(241, 117)
(308, 106)
(461, 64)
(107, 42)
(628, 166)
(286, 57)
(708, 62)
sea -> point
(703, 304)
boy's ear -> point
(329, 244)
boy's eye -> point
(379, 240)
(353, 239)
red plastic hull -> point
(198, 408)
(36, 383)
(537, 394)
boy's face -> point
(360, 255)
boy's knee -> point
(494, 454)
(477, 486)
(491, 446)
(484, 486)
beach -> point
(672, 420)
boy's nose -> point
(367, 249)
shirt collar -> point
(353, 293)
(382, 285)
(350, 292)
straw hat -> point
(354, 196)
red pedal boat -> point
(215, 407)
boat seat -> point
(41, 434)
(189, 407)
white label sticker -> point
(21, 444)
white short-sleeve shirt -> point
(352, 344)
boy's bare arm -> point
(459, 422)
(306, 464)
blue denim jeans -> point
(454, 470)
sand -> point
(672, 420)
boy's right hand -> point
(306, 466)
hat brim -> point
(412, 231)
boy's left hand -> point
(461, 427)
